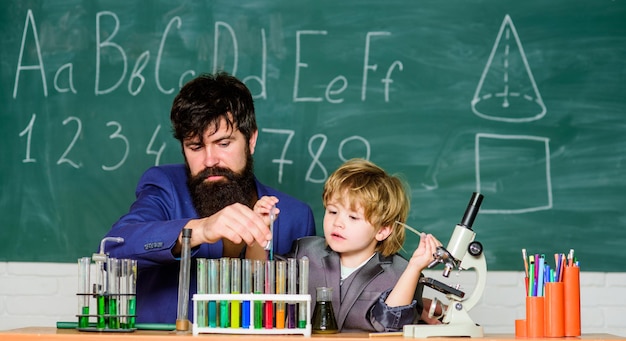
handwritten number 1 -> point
(28, 131)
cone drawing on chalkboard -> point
(507, 90)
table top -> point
(54, 334)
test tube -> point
(113, 292)
(259, 285)
(100, 289)
(304, 289)
(132, 292)
(84, 265)
(292, 271)
(235, 288)
(269, 289)
(224, 289)
(123, 295)
(214, 277)
(182, 320)
(281, 280)
(202, 288)
(246, 288)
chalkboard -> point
(522, 101)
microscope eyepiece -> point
(472, 210)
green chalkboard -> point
(522, 101)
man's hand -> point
(235, 224)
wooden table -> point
(54, 334)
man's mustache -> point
(216, 171)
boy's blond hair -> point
(383, 198)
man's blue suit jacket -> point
(151, 228)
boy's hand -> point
(263, 207)
(423, 255)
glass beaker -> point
(323, 315)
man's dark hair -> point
(203, 101)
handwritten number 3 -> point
(117, 135)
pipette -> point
(270, 245)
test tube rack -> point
(201, 301)
(112, 295)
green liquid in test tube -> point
(259, 282)
(84, 264)
(113, 292)
(214, 270)
(224, 289)
(203, 288)
(101, 307)
(100, 287)
(304, 289)
(132, 292)
(125, 293)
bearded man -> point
(213, 194)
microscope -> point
(462, 253)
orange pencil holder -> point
(535, 316)
(571, 289)
(554, 309)
(520, 328)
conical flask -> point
(324, 316)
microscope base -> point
(420, 331)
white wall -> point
(40, 294)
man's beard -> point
(210, 197)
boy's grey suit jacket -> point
(361, 290)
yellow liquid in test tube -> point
(235, 288)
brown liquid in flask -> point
(324, 316)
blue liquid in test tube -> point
(246, 288)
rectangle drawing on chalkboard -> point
(515, 170)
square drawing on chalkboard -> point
(513, 171)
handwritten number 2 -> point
(63, 158)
